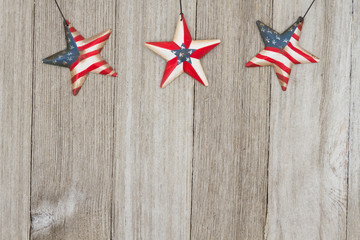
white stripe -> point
(297, 31)
(263, 62)
(278, 57)
(84, 64)
(78, 83)
(102, 68)
(179, 33)
(98, 46)
(260, 62)
(294, 41)
(280, 71)
(164, 53)
(196, 64)
(295, 55)
(75, 34)
(197, 44)
(89, 40)
(175, 73)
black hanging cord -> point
(308, 9)
(181, 12)
(61, 12)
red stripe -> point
(84, 56)
(74, 64)
(284, 79)
(76, 91)
(106, 71)
(72, 29)
(296, 37)
(199, 53)
(170, 66)
(300, 26)
(251, 64)
(89, 54)
(165, 45)
(79, 38)
(187, 35)
(283, 52)
(86, 71)
(293, 60)
(93, 43)
(279, 64)
(189, 69)
(301, 53)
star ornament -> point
(282, 51)
(183, 54)
(82, 56)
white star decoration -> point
(183, 54)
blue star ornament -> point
(282, 51)
(183, 54)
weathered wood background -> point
(128, 160)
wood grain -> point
(353, 231)
(125, 159)
(309, 128)
(72, 136)
(231, 125)
(15, 117)
(154, 127)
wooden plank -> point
(154, 131)
(231, 125)
(309, 128)
(353, 231)
(72, 136)
(15, 117)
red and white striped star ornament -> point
(183, 54)
(82, 56)
(282, 51)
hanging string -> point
(181, 12)
(308, 9)
(61, 12)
